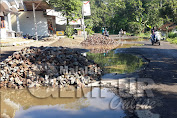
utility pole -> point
(83, 23)
(0, 38)
(0, 29)
(35, 24)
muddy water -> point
(68, 102)
(116, 63)
(131, 40)
(106, 48)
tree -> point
(169, 11)
(71, 9)
(134, 16)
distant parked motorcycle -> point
(156, 39)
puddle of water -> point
(128, 45)
(131, 40)
(100, 48)
(106, 48)
(22, 104)
(116, 63)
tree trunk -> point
(67, 22)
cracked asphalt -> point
(162, 69)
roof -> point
(170, 26)
(40, 4)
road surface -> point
(162, 69)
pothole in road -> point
(131, 40)
(116, 62)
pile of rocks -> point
(101, 48)
(98, 39)
(47, 66)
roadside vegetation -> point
(172, 40)
(134, 16)
(172, 37)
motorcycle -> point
(156, 39)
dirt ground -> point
(67, 42)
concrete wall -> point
(27, 23)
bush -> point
(172, 40)
(89, 31)
(144, 34)
(69, 31)
(129, 34)
(172, 35)
(134, 27)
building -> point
(7, 9)
(35, 22)
(61, 21)
(168, 27)
(34, 18)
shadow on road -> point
(5, 55)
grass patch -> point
(172, 35)
(116, 63)
(172, 40)
(147, 35)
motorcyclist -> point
(103, 31)
(153, 30)
(106, 32)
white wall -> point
(26, 20)
(3, 34)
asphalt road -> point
(162, 69)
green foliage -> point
(172, 34)
(128, 34)
(142, 15)
(89, 26)
(89, 31)
(135, 27)
(69, 31)
(135, 16)
(146, 35)
(71, 9)
(148, 26)
(172, 40)
(169, 10)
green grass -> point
(144, 35)
(172, 35)
(172, 40)
(116, 63)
